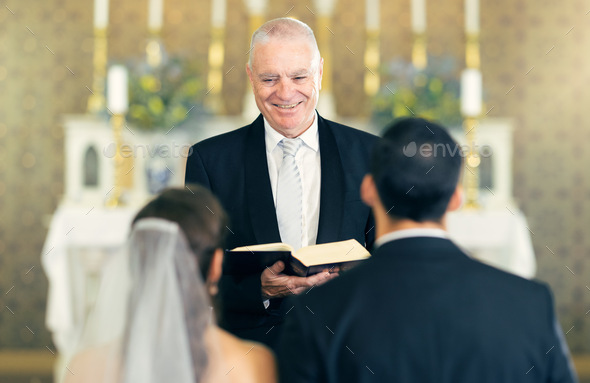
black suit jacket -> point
(420, 310)
(234, 167)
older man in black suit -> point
(291, 176)
(421, 310)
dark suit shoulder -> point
(477, 270)
(439, 258)
(508, 285)
(345, 133)
(223, 141)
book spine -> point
(298, 268)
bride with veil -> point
(163, 329)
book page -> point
(335, 252)
(266, 247)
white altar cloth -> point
(500, 238)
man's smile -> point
(287, 106)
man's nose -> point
(285, 89)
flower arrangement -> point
(165, 96)
(432, 93)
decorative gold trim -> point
(26, 362)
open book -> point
(334, 256)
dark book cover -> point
(254, 262)
(242, 263)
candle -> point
(256, 7)
(372, 14)
(325, 7)
(101, 14)
(218, 11)
(155, 14)
(117, 91)
(471, 92)
(472, 16)
(419, 16)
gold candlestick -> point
(472, 56)
(325, 46)
(472, 61)
(115, 198)
(419, 57)
(472, 161)
(153, 49)
(215, 76)
(254, 22)
(96, 101)
(372, 62)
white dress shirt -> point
(308, 162)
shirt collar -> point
(309, 137)
(409, 233)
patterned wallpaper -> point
(36, 88)
(536, 74)
(533, 67)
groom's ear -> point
(369, 191)
(215, 267)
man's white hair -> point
(282, 28)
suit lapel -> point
(332, 185)
(259, 197)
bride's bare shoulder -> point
(97, 364)
(249, 361)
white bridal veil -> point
(151, 314)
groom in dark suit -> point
(291, 176)
(421, 310)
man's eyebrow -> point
(268, 75)
(299, 73)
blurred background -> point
(382, 62)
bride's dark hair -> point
(198, 213)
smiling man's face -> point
(286, 79)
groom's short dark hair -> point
(416, 166)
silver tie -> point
(289, 194)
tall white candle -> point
(117, 90)
(218, 13)
(472, 16)
(101, 14)
(155, 14)
(372, 14)
(419, 16)
(471, 92)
